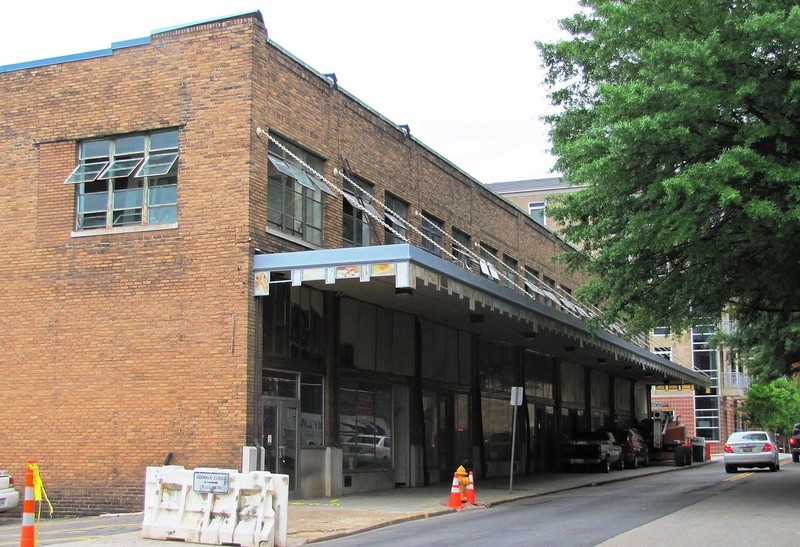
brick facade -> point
(122, 348)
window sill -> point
(297, 240)
(124, 230)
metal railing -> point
(735, 380)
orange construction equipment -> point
(471, 490)
(455, 494)
(28, 535)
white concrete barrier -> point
(216, 506)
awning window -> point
(321, 184)
(120, 168)
(157, 165)
(292, 171)
(86, 172)
(361, 204)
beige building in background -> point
(532, 196)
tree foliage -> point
(683, 120)
(774, 406)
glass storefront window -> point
(497, 415)
(293, 323)
(495, 366)
(310, 410)
(538, 376)
(365, 424)
(280, 384)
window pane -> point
(94, 149)
(432, 228)
(85, 172)
(164, 140)
(127, 199)
(157, 165)
(92, 220)
(92, 203)
(129, 145)
(310, 410)
(120, 168)
(537, 211)
(128, 216)
(162, 195)
(280, 384)
(93, 197)
(365, 424)
(162, 214)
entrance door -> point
(280, 438)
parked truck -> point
(666, 438)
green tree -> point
(774, 406)
(683, 118)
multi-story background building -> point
(212, 246)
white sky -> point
(463, 74)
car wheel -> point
(775, 466)
(605, 467)
(621, 464)
(795, 457)
(730, 468)
(636, 461)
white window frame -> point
(536, 210)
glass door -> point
(280, 438)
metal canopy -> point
(408, 279)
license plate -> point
(747, 449)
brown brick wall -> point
(120, 348)
(321, 119)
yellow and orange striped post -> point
(28, 537)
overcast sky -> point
(463, 74)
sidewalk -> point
(317, 519)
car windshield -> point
(748, 436)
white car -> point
(369, 450)
(750, 449)
(9, 497)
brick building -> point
(211, 246)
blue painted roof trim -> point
(408, 253)
(76, 56)
(115, 45)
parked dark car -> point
(634, 447)
(794, 443)
(598, 449)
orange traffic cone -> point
(471, 490)
(455, 494)
(28, 536)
